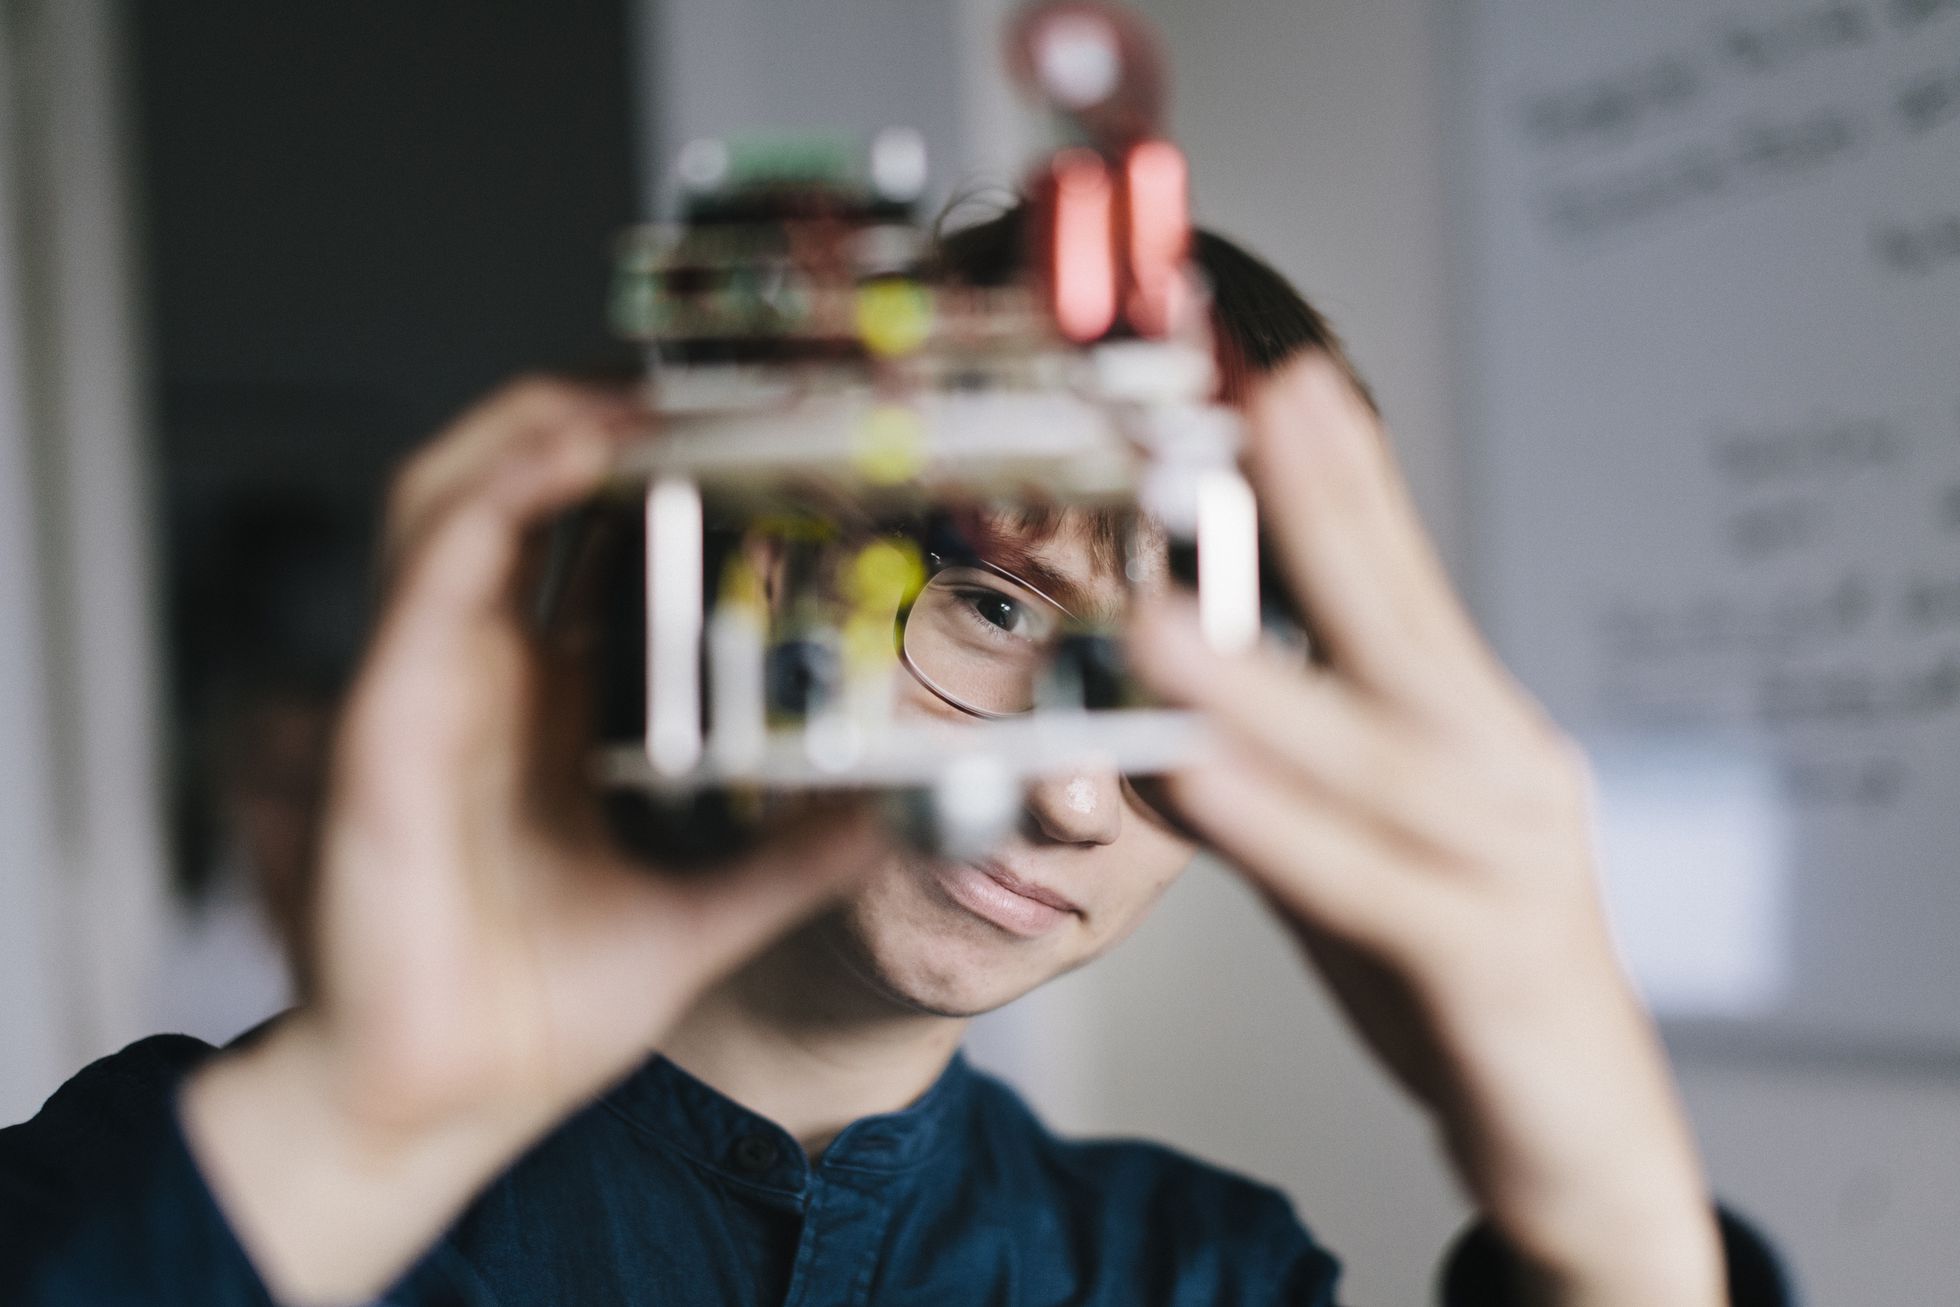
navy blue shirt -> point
(666, 1191)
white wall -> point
(81, 847)
(28, 1006)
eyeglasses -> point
(979, 637)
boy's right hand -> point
(483, 960)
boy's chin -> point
(942, 977)
(923, 954)
(973, 991)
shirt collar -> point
(719, 1133)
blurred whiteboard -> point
(1712, 323)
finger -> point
(468, 556)
(1387, 773)
(484, 432)
(728, 915)
(1353, 544)
(450, 623)
(485, 436)
(1315, 866)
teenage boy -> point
(469, 1107)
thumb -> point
(732, 913)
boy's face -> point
(1086, 865)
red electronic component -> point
(1081, 257)
(1112, 225)
(1156, 210)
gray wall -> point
(1313, 133)
(1317, 132)
(849, 66)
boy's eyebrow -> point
(1020, 558)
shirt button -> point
(755, 1153)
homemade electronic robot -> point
(818, 566)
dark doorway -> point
(358, 215)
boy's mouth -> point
(1008, 900)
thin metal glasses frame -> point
(937, 563)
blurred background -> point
(1660, 298)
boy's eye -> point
(997, 609)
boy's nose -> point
(1076, 808)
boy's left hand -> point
(1426, 831)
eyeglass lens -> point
(981, 640)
